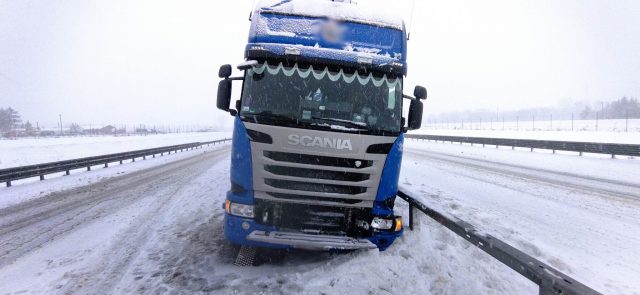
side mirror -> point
(224, 71)
(224, 94)
(415, 114)
(420, 92)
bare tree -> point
(9, 119)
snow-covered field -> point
(155, 226)
(29, 151)
(608, 131)
(585, 136)
(607, 125)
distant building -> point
(109, 129)
(47, 133)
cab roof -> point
(331, 32)
(337, 10)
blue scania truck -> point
(318, 129)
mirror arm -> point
(408, 97)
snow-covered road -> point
(159, 229)
(578, 214)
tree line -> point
(618, 109)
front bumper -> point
(311, 242)
(247, 232)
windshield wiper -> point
(352, 124)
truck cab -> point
(318, 129)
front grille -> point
(311, 198)
(315, 187)
(317, 160)
(316, 173)
(311, 218)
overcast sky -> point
(156, 62)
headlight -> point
(241, 210)
(381, 223)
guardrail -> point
(549, 279)
(612, 149)
(40, 170)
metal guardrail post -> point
(613, 149)
(410, 217)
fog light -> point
(381, 223)
(245, 225)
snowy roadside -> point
(30, 151)
(579, 214)
(28, 189)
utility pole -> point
(533, 122)
(626, 121)
(571, 121)
(60, 118)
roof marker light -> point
(292, 50)
(365, 60)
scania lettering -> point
(318, 128)
(320, 141)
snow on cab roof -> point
(338, 10)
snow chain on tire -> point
(246, 256)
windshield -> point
(326, 98)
